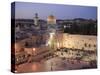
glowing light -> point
(49, 42)
(34, 67)
(51, 35)
(64, 26)
(51, 38)
(58, 45)
(34, 49)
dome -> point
(51, 19)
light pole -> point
(51, 66)
(34, 51)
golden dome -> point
(51, 17)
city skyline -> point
(27, 10)
(52, 37)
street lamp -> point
(34, 51)
(64, 26)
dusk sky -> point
(27, 11)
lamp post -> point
(32, 55)
(51, 66)
(34, 51)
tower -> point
(36, 19)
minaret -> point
(36, 19)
